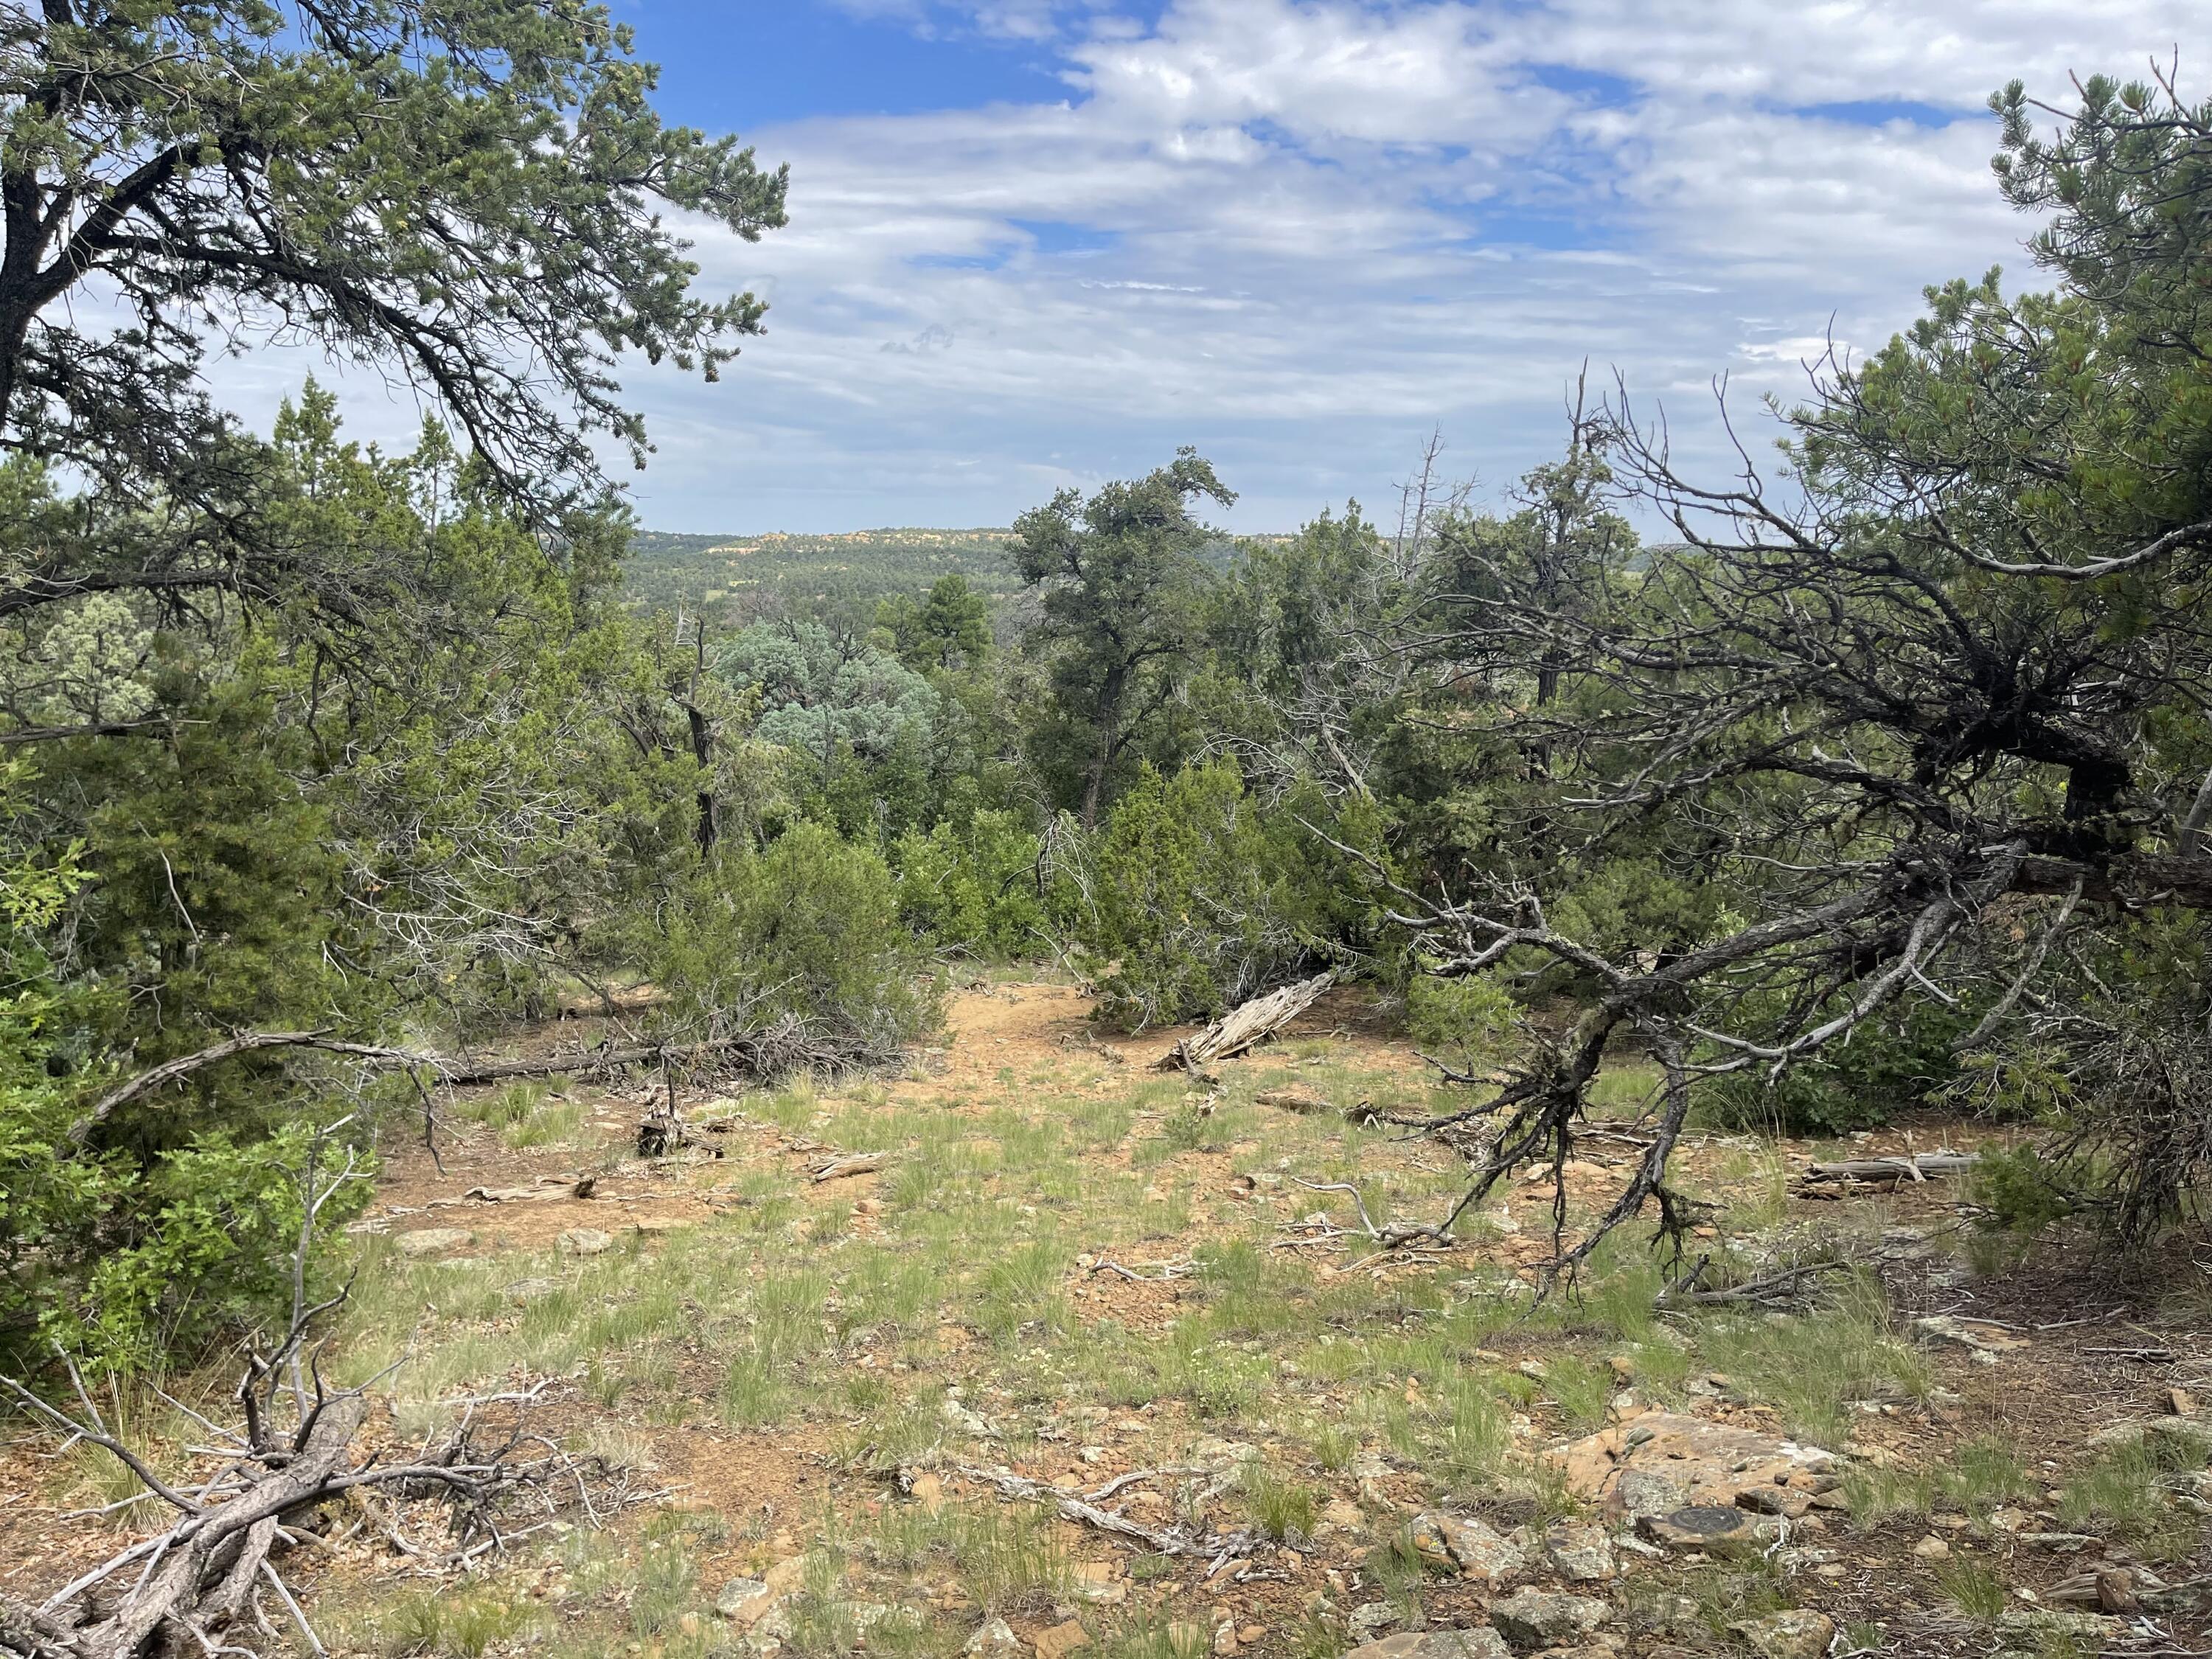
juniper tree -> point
(1925, 711)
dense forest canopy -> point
(1882, 778)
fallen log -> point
(547, 1189)
(1245, 1026)
(199, 1587)
(1888, 1171)
(837, 1168)
(783, 1047)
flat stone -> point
(1339, 1513)
(1657, 1462)
(1372, 1616)
(2181, 1437)
(1932, 1548)
(1533, 1619)
(1060, 1639)
(742, 1601)
(524, 1291)
(1479, 1643)
(1581, 1553)
(1799, 1633)
(1469, 1548)
(2032, 1627)
(1666, 1615)
(1942, 1331)
(995, 1639)
(429, 1241)
(585, 1241)
(1710, 1528)
(1790, 1502)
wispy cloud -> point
(1297, 233)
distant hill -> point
(739, 576)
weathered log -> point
(836, 1169)
(1245, 1026)
(1888, 1171)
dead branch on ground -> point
(1083, 1509)
(199, 1586)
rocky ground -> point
(1034, 1350)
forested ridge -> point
(332, 773)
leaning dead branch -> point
(1245, 1026)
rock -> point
(966, 1421)
(1224, 1639)
(429, 1241)
(1248, 1634)
(1100, 1581)
(1532, 1619)
(2179, 1402)
(1659, 1462)
(1060, 1639)
(1581, 1553)
(2062, 1543)
(1339, 1513)
(585, 1241)
(742, 1601)
(524, 1291)
(1799, 1633)
(788, 1576)
(1788, 1502)
(1470, 1547)
(1942, 1331)
(1709, 1528)
(1932, 1548)
(1479, 1643)
(1638, 1492)
(994, 1640)
(1372, 1616)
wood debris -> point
(1827, 1180)
(836, 1169)
(1245, 1026)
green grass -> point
(1973, 1588)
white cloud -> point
(1299, 232)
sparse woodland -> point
(530, 1119)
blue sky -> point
(1042, 242)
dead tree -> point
(1913, 710)
(212, 1582)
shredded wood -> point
(1245, 1026)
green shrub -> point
(1470, 1018)
(2019, 1190)
(808, 929)
(982, 888)
(123, 1248)
(1203, 898)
